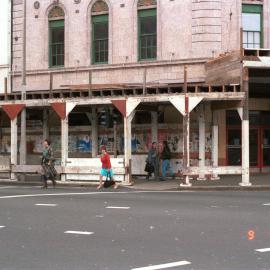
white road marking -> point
(46, 204)
(266, 204)
(1, 227)
(6, 187)
(79, 232)
(118, 207)
(163, 266)
(84, 193)
(263, 250)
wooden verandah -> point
(226, 87)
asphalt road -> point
(81, 229)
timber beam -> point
(213, 96)
(111, 91)
(36, 169)
(226, 105)
(221, 170)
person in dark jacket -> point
(166, 161)
(47, 164)
(153, 160)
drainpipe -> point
(11, 46)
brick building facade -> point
(156, 52)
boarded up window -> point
(143, 3)
(100, 6)
(56, 12)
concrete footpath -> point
(259, 182)
(231, 182)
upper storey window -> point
(56, 37)
(147, 29)
(252, 26)
(100, 32)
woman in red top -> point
(106, 170)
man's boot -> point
(54, 183)
(44, 180)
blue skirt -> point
(106, 172)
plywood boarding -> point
(225, 69)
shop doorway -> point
(259, 143)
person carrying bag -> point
(106, 171)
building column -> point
(214, 154)
(154, 126)
(201, 119)
(64, 145)
(128, 147)
(94, 133)
(245, 132)
(45, 124)
(14, 145)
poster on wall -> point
(173, 138)
(83, 144)
(6, 144)
(56, 143)
(140, 142)
(38, 144)
(106, 140)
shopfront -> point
(259, 139)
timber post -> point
(186, 135)
(45, 126)
(64, 145)
(245, 131)
(12, 111)
(154, 126)
(94, 132)
(214, 154)
(201, 119)
(63, 110)
(14, 146)
(127, 108)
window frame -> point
(145, 13)
(255, 9)
(55, 24)
(95, 19)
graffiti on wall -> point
(141, 141)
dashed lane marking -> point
(163, 266)
(1, 227)
(118, 207)
(79, 232)
(263, 250)
(266, 204)
(46, 204)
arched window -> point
(147, 3)
(147, 29)
(100, 32)
(56, 37)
